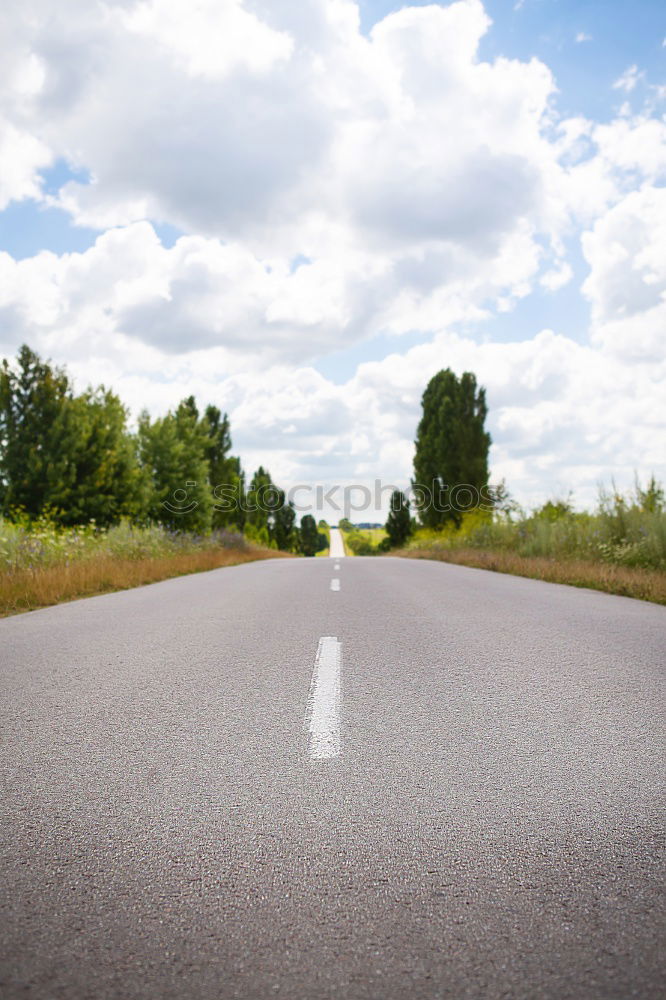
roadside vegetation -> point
(325, 533)
(73, 456)
(362, 540)
(620, 547)
(89, 503)
(42, 563)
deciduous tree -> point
(451, 448)
(399, 522)
(309, 535)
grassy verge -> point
(42, 563)
(644, 584)
(27, 589)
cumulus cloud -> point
(22, 156)
(306, 123)
(626, 251)
(211, 39)
(331, 187)
(202, 293)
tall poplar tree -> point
(309, 536)
(399, 522)
(226, 475)
(451, 447)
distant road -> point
(337, 550)
(428, 782)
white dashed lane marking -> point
(323, 714)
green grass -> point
(621, 536)
(41, 543)
(363, 541)
(620, 547)
(41, 564)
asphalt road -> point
(337, 548)
(431, 782)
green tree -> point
(399, 522)
(93, 473)
(32, 398)
(309, 535)
(270, 519)
(66, 454)
(282, 523)
(451, 448)
(172, 450)
(259, 499)
(225, 472)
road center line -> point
(336, 567)
(335, 584)
(323, 714)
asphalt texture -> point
(492, 828)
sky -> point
(302, 212)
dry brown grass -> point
(644, 584)
(27, 589)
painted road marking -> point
(336, 567)
(323, 715)
(335, 584)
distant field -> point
(375, 535)
(363, 541)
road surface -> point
(428, 782)
(337, 549)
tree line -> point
(74, 457)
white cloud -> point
(582, 36)
(628, 80)
(417, 186)
(22, 156)
(626, 251)
(558, 277)
(210, 38)
(635, 145)
(563, 415)
(202, 294)
(402, 134)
